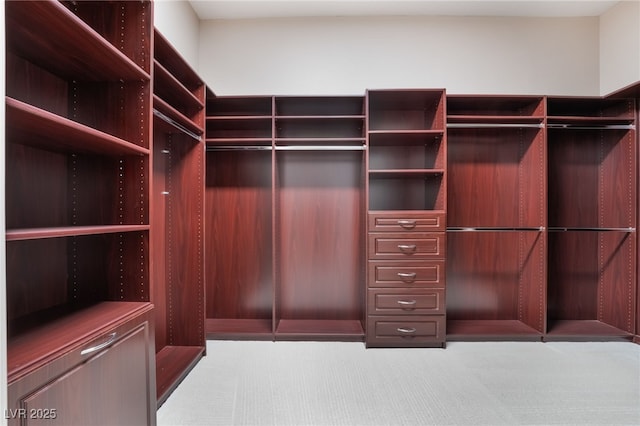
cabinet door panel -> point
(110, 388)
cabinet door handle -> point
(407, 247)
(407, 302)
(407, 330)
(407, 224)
(110, 340)
(407, 276)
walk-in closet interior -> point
(146, 212)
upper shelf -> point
(65, 44)
(33, 126)
(406, 109)
(174, 63)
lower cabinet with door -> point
(105, 377)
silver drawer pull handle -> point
(110, 340)
(407, 276)
(407, 330)
(407, 302)
(407, 224)
(407, 247)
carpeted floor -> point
(497, 383)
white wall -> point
(177, 21)
(620, 46)
(348, 55)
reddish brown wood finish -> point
(48, 368)
(238, 235)
(406, 274)
(403, 331)
(178, 216)
(497, 276)
(319, 223)
(497, 177)
(407, 221)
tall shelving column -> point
(318, 217)
(496, 240)
(78, 112)
(238, 213)
(407, 213)
(592, 146)
(177, 216)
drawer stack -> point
(406, 280)
(407, 198)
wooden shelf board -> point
(172, 84)
(173, 61)
(239, 141)
(71, 330)
(228, 328)
(331, 140)
(488, 330)
(236, 118)
(167, 109)
(318, 117)
(173, 363)
(293, 329)
(584, 330)
(33, 126)
(64, 44)
(70, 231)
(495, 119)
(407, 132)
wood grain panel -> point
(496, 177)
(320, 235)
(496, 276)
(238, 239)
(185, 255)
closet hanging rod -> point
(591, 229)
(592, 127)
(239, 148)
(321, 148)
(493, 229)
(495, 125)
(175, 124)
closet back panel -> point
(590, 172)
(592, 284)
(496, 276)
(238, 241)
(320, 227)
(496, 177)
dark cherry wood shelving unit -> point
(495, 236)
(239, 217)
(294, 207)
(77, 208)
(178, 210)
(406, 197)
(592, 218)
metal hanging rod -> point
(592, 127)
(589, 229)
(495, 125)
(321, 148)
(493, 229)
(177, 125)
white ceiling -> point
(246, 9)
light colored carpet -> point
(493, 383)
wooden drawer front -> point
(400, 246)
(406, 302)
(430, 273)
(407, 222)
(411, 332)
